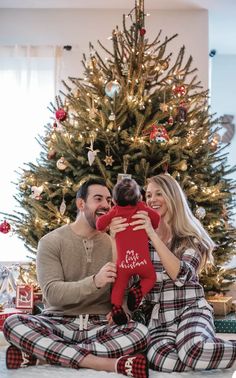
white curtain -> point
(28, 80)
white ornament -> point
(92, 153)
(36, 192)
(200, 212)
(62, 207)
(91, 156)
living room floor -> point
(47, 371)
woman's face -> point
(155, 199)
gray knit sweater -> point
(66, 264)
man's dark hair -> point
(83, 190)
(126, 192)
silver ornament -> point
(200, 212)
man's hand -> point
(107, 274)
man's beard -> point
(90, 217)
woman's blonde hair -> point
(187, 231)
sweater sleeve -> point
(189, 264)
(56, 291)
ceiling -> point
(222, 14)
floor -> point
(46, 371)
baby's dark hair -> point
(126, 192)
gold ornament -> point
(164, 107)
(62, 163)
(108, 160)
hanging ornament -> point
(164, 107)
(62, 163)
(112, 88)
(125, 69)
(91, 153)
(61, 114)
(142, 31)
(182, 113)
(170, 120)
(179, 90)
(182, 165)
(200, 212)
(112, 117)
(165, 167)
(5, 227)
(62, 208)
(51, 154)
(159, 134)
(36, 192)
(108, 159)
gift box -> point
(221, 304)
(226, 324)
(24, 296)
(6, 313)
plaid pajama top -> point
(171, 298)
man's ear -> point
(80, 204)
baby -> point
(132, 248)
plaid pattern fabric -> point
(133, 366)
(61, 341)
(181, 322)
(134, 298)
(15, 358)
(118, 315)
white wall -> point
(78, 27)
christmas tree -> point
(137, 113)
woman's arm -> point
(170, 262)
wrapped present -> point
(6, 313)
(221, 304)
(24, 296)
(226, 324)
(7, 285)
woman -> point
(179, 318)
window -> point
(27, 81)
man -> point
(75, 272)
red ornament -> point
(170, 120)
(61, 114)
(179, 90)
(159, 134)
(5, 227)
(142, 31)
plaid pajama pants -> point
(65, 341)
(190, 344)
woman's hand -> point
(117, 224)
(143, 222)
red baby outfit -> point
(132, 250)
